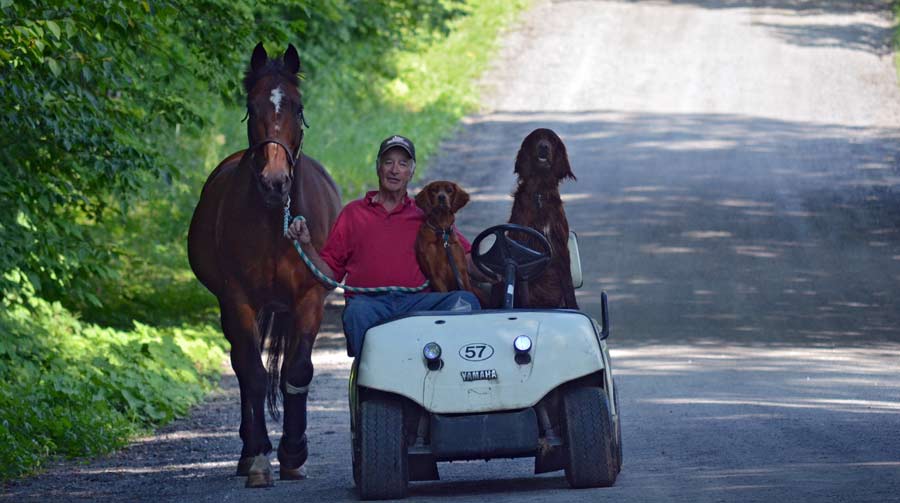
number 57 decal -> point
(476, 352)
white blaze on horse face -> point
(275, 98)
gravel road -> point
(738, 196)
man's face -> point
(395, 170)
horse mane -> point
(273, 67)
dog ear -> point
(519, 168)
(460, 198)
(561, 166)
(423, 200)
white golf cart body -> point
(566, 346)
(484, 399)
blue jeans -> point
(362, 312)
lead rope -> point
(328, 281)
(445, 237)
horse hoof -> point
(260, 473)
(243, 468)
(298, 473)
(295, 459)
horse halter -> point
(293, 157)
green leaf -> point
(154, 413)
(93, 299)
(132, 400)
(35, 280)
(54, 28)
(54, 66)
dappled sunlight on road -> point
(490, 198)
(210, 465)
(657, 249)
(761, 415)
(706, 234)
(178, 436)
(852, 406)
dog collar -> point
(443, 233)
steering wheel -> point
(493, 252)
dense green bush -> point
(92, 93)
(87, 89)
(74, 388)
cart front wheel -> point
(589, 436)
(383, 463)
(618, 422)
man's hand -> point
(298, 231)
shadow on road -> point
(795, 7)
(857, 36)
(712, 227)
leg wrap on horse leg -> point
(294, 390)
(292, 450)
(293, 440)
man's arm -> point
(299, 232)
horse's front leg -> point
(296, 375)
(239, 326)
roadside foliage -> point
(114, 112)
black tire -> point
(618, 422)
(590, 445)
(383, 462)
(354, 459)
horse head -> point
(274, 122)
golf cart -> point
(501, 383)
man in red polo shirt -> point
(372, 244)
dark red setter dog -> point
(542, 162)
(440, 201)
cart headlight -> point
(431, 352)
(522, 344)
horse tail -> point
(272, 329)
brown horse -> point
(237, 250)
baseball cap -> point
(397, 141)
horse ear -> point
(292, 59)
(460, 198)
(259, 57)
(423, 201)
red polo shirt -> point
(373, 247)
